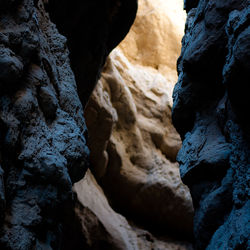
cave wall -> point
(210, 112)
(42, 129)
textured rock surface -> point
(42, 144)
(43, 149)
(103, 228)
(210, 110)
(132, 140)
(155, 38)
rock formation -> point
(52, 53)
(42, 130)
(210, 112)
(132, 140)
(103, 228)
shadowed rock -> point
(93, 28)
(42, 138)
(210, 109)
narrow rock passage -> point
(132, 140)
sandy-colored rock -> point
(99, 221)
(131, 137)
(132, 140)
(138, 169)
(155, 38)
(103, 228)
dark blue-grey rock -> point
(93, 28)
(43, 148)
(210, 111)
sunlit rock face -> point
(155, 37)
(131, 137)
(211, 100)
(103, 228)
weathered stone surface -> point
(103, 228)
(43, 149)
(210, 106)
(131, 137)
(42, 129)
